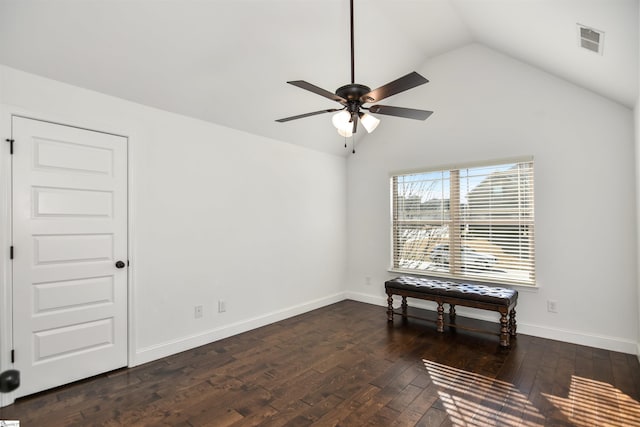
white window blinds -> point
(474, 223)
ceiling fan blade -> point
(407, 113)
(318, 90)
(407, 82)
(301, 116)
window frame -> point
(454, 223)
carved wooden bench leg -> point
(504, 328)
(440, 322)
(512, 322)
(389, 307)
(404, 307)
(452, 311)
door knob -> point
(9, 381)
(120, 264)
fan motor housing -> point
(352, 92)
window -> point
(468, 223)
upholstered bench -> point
(502, 300)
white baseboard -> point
(369, 299)
(168, 348)
(591, 340)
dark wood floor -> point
(344, 365)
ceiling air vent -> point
(590, 39)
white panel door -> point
(69, 230)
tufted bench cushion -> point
(470, 291)
(502, 300)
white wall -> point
(637, 157)
(488, 106)
(637, 147)
(215, 214)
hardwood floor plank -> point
(368, 409)
(284, 416)
(416, 410)
(348, 406)
(296, 388)
(404, 399)
(345, 365)
(384, 417)
(312, 413)
(434, 418)
(330, 383)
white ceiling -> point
(227, 61)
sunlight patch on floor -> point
(597, 403)
(476, 400)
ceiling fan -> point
(353, 96)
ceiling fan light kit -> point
(369, 122)
(353, 96)
(342, 121)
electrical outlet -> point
(222, 306)
(552, 306)
(197, 311)
(367, 281)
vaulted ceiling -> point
(227, 61)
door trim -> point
(7, 112)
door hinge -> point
(11, 252)
(13, 356)
(10, 141)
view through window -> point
(475, 223)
